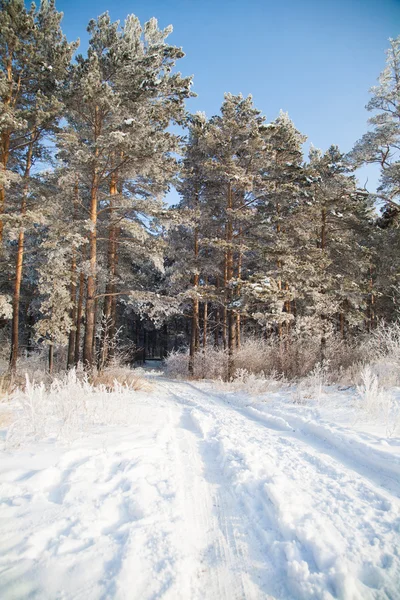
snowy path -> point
(200, 499)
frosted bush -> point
(312, 385)
(177, 364)
(66, 408)
(254, 356)
(209, 363)
(377, 401)
(385, 341)
(256, 383)
(286, 356)
(113, 376)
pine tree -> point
(35, 58)
(123, 98)
(380, 146)
(337, 217)
(279, 197)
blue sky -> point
(315, 59)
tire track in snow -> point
(295, 490)
(228, 570)
(382, 470)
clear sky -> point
(315, 59)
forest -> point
(267, 249)
(199, 313)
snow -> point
(205, 493)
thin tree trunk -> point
(239, 287)
(205, 324)
(323, 248)
(6, 136)
(3, 194)
(224, 309)
(279, 267)
(110, 299)
(72, 337)
(19, 261)
(194, 333)
(371, 319)
(288, 308)
(51, 359)
(79, 313)
(216, 327)
(88, 356)
(96, 302)
(229, 276)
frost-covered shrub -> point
(124, 376)
(177, 364)
(312, 385)
(253, 356)
(377, 400)
(209, 363)
(253, 383)
(384, 341)
(380, 350)
(67, 407)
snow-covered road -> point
(198, 498)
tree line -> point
(264, 240)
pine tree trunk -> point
(113, 329)
(19, 261)
(288, 309)
(79, 313)
(94, 330)
(51, 359)
(371, 307)
(71, 338)
(91, 291)
(3, 193)
(224, 309)
(239, 287)
(109, 300)
(194, 332)
(323, 248)
(164, 353)
(90, 324)
(6, 136)
(205, 324)
(224, 319)
(216, 327)
(229, 276)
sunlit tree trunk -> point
(90, 325)
(72, 337)
(79, 314)
(20, 259)
(229, 276)
(8, 101)
(108, 319)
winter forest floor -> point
(201, 492)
